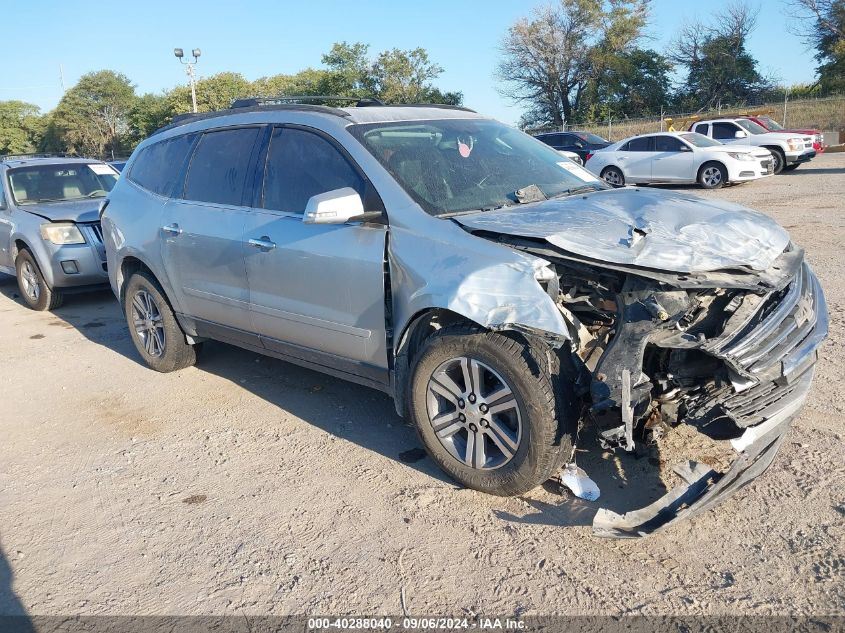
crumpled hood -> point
(70, 211)
(649, 228)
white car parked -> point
(679, 157)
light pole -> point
(189, 70)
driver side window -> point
(302, 164)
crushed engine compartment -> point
(727, 354)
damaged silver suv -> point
(501, 294)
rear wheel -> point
(155, 332)
(613, 176)
(712, 176)
(791, 167)
(493, 412)
(32, 285)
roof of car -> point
(21, 160)
(365, 111)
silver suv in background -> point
(49, 227)
(500, 293)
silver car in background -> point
(49, 227)
(500, 293)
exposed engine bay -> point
(730, 352)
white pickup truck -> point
(788, 149)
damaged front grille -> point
(766, 346)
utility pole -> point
(62, 77)
(189, 70)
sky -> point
(266, 37)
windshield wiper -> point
(576, 190)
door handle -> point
(264, 243)
(172, 229)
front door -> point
(673, 160)
(203, 232)
(315, 290)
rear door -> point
(673, 160)
(203, 233)
(636, 161)
(316, 291)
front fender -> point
(484, 282)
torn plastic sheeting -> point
(579, 483)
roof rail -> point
(442, 106)
(249, 102)
(190, 117)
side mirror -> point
(741, 134)
(338, 206)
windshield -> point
(750, 126)
(454, 165)
(592, 139)
(59, 183)
(771, 123)
(699, 140)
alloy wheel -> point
(613, 177)
(712, 176)
(30, 282)
(474, 413)
(149, 326)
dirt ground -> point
(246, 485)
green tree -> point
(399, 76)
(824, 29)
(21, 127)
(556, 61)
(93, 117)
(148, 113)
(720, 70)
(632, 84)
(213, 93)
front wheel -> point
(791, 167)
(712, 176)
(778, 160)
(493, 412)
(153, 326)
(34, 289)
(613, 176)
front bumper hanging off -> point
(787, 340)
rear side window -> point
(218, 171)
(701, 128)
(645, 144)
(159, 166)
(302, 164)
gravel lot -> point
(246, 485)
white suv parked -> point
(788, 150)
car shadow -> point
(13, 616)
(814, 170)
(365, 416)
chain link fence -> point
(823, 113)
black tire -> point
(712, 175)
(36, 293)
(778, 159)
(159, 339)
(791, 167)
(544, 394)
(616, 176)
